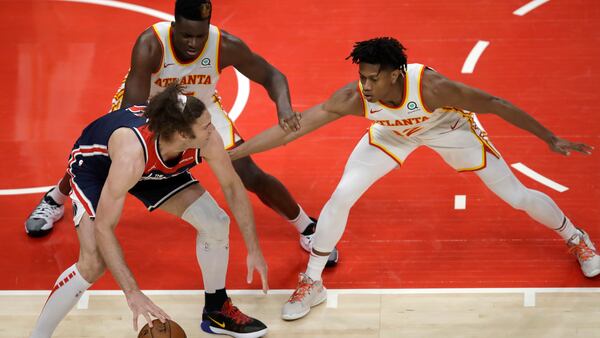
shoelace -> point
(301, 290)
(44, 210)
(233, 312)
(581, 250)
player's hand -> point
(235, 153)
(289, 121)
(255, 260)
(140, 304)
(565, 147)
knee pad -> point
(211, 222)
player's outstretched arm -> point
(238, 201)
(145, 59)
(345, 101)
(234, 52)
(126, 168)
(439, 91)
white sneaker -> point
(43, 217)
(582, 247)
(308, 294)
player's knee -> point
(341, 200)
(211, 222)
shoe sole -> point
(38, 233)
(41, 232)
(304, 313)
(592, 274)
(208, 328)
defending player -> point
(412, 105)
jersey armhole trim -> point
(142, 142)
(420, 84)
(162, 50)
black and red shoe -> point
(231, 321)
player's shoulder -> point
(213, 148)
(148, 41)
(230, 42)
(431, 78)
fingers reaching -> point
(264, 279)
(582, 148)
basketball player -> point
(148, 151)
(412, 105)
(193, 52)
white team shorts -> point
(457, 137)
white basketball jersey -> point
(411, 117)
(199, 76)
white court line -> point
(529, 7)
(84, 301)
(242, 96)
(127, 6)
(332, 299)
(243, 90)
(24, 191)
(535, 176)
(473, 57)
(529, 298)
(529, 294)
(460, 202)
(432, 291)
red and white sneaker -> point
(582, 247)
(309, 293)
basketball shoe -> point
(306, 242)
(43, 217)
(308, 293)
(231, 321)
(582, 247)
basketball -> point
(169, 329)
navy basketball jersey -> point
(89, 156)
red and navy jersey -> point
(89, 156)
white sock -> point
(69, 286)
(213, 260)
(315, 267)
(302, 221)
(567, 229)
(57, 196)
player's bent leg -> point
(498, 177)
(72, 283)
(365, 166)
(266, 187)
(197, 207)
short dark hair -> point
(166, 116)
(384, 51)
(197, 10)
